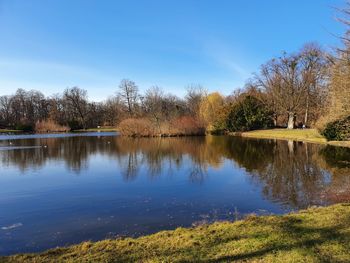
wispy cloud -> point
(225, 57)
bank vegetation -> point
(313, 235)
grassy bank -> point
(109, 129)
(313, 235)
(309, 135)
(306, 135)
(9, 131)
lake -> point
(57, 190)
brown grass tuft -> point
(136, 127)
(50, 126)
(142, 127)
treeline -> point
(307, 88)
(71, 110)
(290, 90)
(25, 110)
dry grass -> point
(313, 235)
(133, 127)
(186, 125)
(143, 127)
(50, 126)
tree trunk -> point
(290, 120)
(129, 106)
(306, 110)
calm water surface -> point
(61, 190)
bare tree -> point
(290, 80)
(57, 109)
(5, 109)
(154, 103)
(36, 106)
(316, 77)
(345, 19)
(113, 110)
(193, 98)
(128, 91)
(76, 102)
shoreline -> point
(307, 235)
(300, 135)
(306, 135)
(107, 129)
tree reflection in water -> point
(336, 160)
(295, 173)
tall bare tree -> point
(315, 75)
(193, 98)
(128, 91)
(294, 82)
(77, 104)
(154, 104)
(113, 110)
(344, 18)
(5, 109)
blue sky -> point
(54, 44)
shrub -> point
(136, 127)
(143, 127)
(220, 124)
(249, 114)
(74, 125)
(338, 130)
(50, 126)
(322, 122)
(24, 127)
(187, 125)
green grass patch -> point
(313, 235)
(310, 135)
(306, 135)
(109, 129)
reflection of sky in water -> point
(125, 188)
